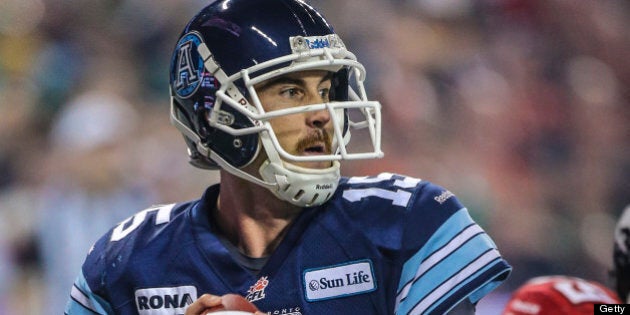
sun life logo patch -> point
(187, 65)
(337, 281)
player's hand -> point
(210, 304)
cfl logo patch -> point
(257, 291)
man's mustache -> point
(315, 138)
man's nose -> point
(318, 119)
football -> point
(233, 304)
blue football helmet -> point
(232, 45)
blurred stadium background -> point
(519, 107)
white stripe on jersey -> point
(82, 299)
(453, 282)
(437, 256)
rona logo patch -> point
(339, 281)
(166, 300)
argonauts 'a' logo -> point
(187, 65)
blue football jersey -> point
(387, 244)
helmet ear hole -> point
(238, 143)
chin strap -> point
(300, 186)
(304, 187)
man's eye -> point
(324, 94)
(291, 92)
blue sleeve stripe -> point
(446, 236)
(75, 307)
(78, 296)
(83, 301)
(442, 270)
(434, 258)
(447, 267)
(484, 281)
(449, 286)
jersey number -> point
(163, 215)
(398, 198)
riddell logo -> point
(323, 186)
(169, 300)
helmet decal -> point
(188, 65)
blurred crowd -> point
(519, 107)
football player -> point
(621, 256)
(266, 92)
(559, 295)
